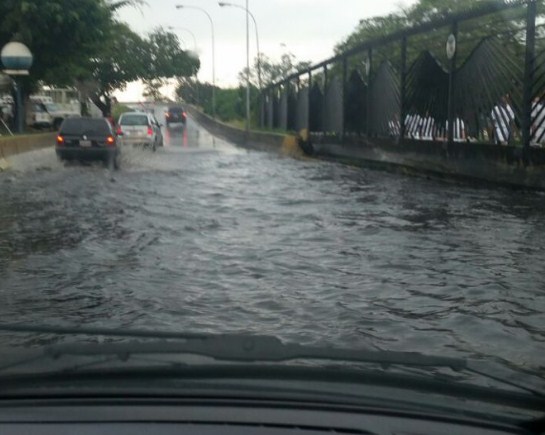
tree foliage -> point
(82, 43)
(128, 57)
(61, 34)
(508, 25)
(272, 72)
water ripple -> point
(217, 240)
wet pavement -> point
(204, 236)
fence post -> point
(344, 98)
(309, 100)
(263, 102)
(324, 102)
(369, 72)
(403, 85)
(451, 88)
(529, 67)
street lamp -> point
(213, 53)
(248, 14)
(185, 29)
(225, 4)
(17, 60)
(196, 87)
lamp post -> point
(196, 86)
(451, 55)
(213, 53)
(248, 14)
(185, 29)
(17, 60)
(225, 4)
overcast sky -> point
(307, 28)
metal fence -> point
(489, 89)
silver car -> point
(139, 128)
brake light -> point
(184, 114)
(110, 140)
(119, 131)
(150, 131)
(60, 140)
(167, 115)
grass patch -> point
(241, 125)
(119, 109)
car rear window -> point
(176, 109)
(134, 120)
(78, 126)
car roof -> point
(77, 123)
(86, 118)
(135, 113)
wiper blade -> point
(105, 332)
(232, 348)
(235, 348)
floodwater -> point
(203, 236)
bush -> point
(118, 110)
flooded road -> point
(205, 236)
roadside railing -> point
(487, 87)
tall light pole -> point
(213, 53)
(185, 29)
(247, 59)
(196, 87)
(226, 4)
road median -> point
(13, 145)
(287, 144)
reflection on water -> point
(203, 238)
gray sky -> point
(307, 28)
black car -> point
(176, 114)
(87, 139)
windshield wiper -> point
(225, 347)
(230, 348)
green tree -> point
(152, 88)
(508, 25)
(272, 72)
(124, 58)
(62, 35)
(167, 59)
(128, 57)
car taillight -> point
(184, 114)
(167, 115)
(119, 131)
(110, 140)
(150, 131)
(60, 140)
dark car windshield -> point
(134, 120)
(76, 126)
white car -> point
(139, 128)
(37, 115)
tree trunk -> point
(104, 106)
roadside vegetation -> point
(231, 102)
(83, 44)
